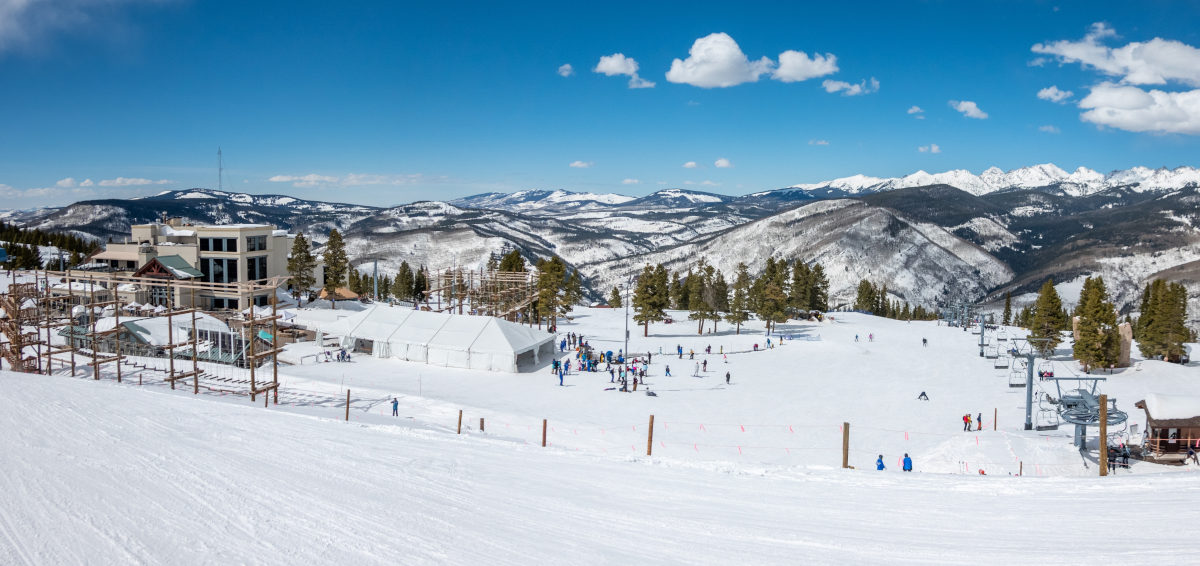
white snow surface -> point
(1173, 406)
(745, 473)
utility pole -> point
(220, 170)
(982, 331)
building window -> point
(256, 243)
(261, 301)
(218, 244)
(256, 268)
(231, 244)
(218, 270)
(223, 303)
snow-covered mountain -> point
(1081, 182)
(535, 201)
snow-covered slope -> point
(920, 262)
(1082, 181)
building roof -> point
(120, 255)
(1171, 411)
(179, 266)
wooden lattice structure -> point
(57, 299)
(502, 294)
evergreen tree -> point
(801, 291)
(650, 297)
(701, 295)
(1098, 344)
(682, 298)
(771, 301)
(1164, 328)
(1145, 314)
(1047, 320)
(550, 286)
(300, 266)
(1007, 318)
(674, 291)
(493, 262)
(819, 293)
(513, 262)
(721, 290)
(420, 285)
(573, 293)
(739, 304)
(355, 282)
(614, 298)
(402, 286)
(867, 298)
(336, 263)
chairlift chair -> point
(1046, 369)
(1047, 419)
(1016, 375)
(1001, 362)
(992, 353)
(1002, 336)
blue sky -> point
(389, 103)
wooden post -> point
(543, 433)
(347, 404)
(117, 324)
(480, 424)
(650, 436)
(995, 415)
(251, 359)
(195, 346)
(1021, 469)
(92, 319)
(1103, 443)
(845, 445)
(275, 346)
(459, 422)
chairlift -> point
(992, 353)
(1045, 369)
(1047, 419)
(1002, 336)
(1001, 362)
(1016, 375)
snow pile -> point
(1172, 407)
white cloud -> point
(1136, 110)
(796, 66)
(349, 180)
(818, 142)
(723, 163)
(968, 109)
(86, 183)
(1049, 129)
(131, 182)
(630, 182)
(1052, 94)
(581, 164)
(1154, 62)
(566, 70)
(915, 110)
(709, 183)
(716, 60)
(67, 183)
(690, 165)
(1123, 105)
(931, 148)
(24, 23)
(618, 64)
(867, 86)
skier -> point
(979, 422)
(967, 422)
(696, 372)
(635, 382)
(879, 464)
(922, 397)
(871, 337)
(395, 407)
(704, 364)
(708, 349)
(668, 368)
(560, 376)
(856, 338)
(691, 354)
(562, 346)
(924, 342)
(727, 378)
(612, 375)
(726, 356)
(907, 463)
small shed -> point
(1172, 424)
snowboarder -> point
(395, 407)
(879, 464)
(668, 368)
(922, 397)
(727, 378)
(907, 463)
(967, 422)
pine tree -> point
(682, 298)
(513, 262)
(739, 303)
(867, 299)
(300, 266)
(614, 298)
(550, 284)
(819, 293)
(649, 297)
(402, 286)
(721, 291)
(355, 282)
(801, 295)
(701, 295)
(336, 263)
(420, 285)
(1047, 320)
(770, 302)
(1145, 314)
(573, 292)
(1098, 344)
(1007, 318)
(493, 263)
(674, 292)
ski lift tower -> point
(1030, 355)
(1081, 407)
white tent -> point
(475, 342)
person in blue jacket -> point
(560, 376)
(395, 407)
(562, 346)
(879, 463)
(907, 463)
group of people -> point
(906, 464)
(571, 340)
(968, 422)
(342, 355)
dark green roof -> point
(178, 265)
